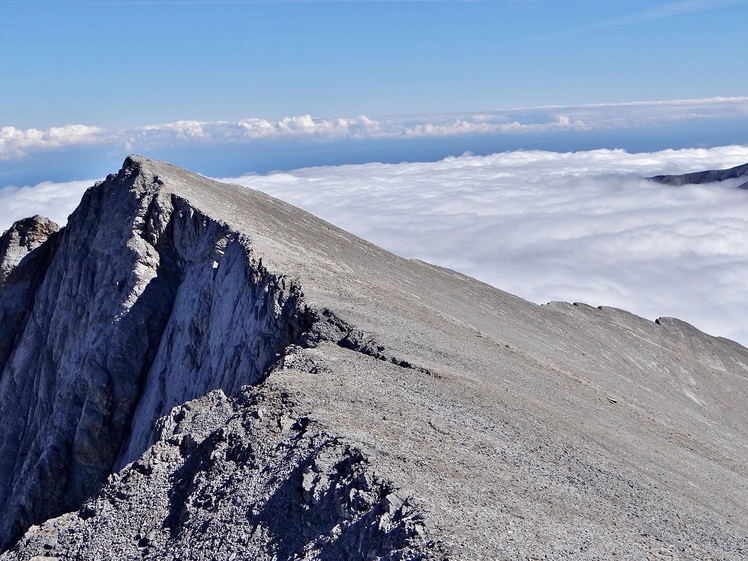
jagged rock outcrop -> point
(397, 410)
(709, 176)
(21, 239)
(133, 317)
(25, 251)
(247, 477)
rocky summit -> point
(708, 176)
(194, 370)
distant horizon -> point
(256, 145)
(227, 88)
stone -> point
(221, 375)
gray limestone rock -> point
(320, 398)
(25, 250)
(247, 477)
(19, 240)
(135, 315)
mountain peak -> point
(202, 371)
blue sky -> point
(123, 63)
(273, 81)
(119, 63)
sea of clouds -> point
(577, 226)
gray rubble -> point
(247, 477)
(320, 398)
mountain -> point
(195, 370)
(709, 176)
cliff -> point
(202, 371)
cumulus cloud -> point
(16, 143)
(486, 125)
(648, 113)
(504, 122)
(249, 130)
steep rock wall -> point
(146, 303)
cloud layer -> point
(546, 226)
(16, 143)
(54, 200)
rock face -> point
(133, 317)
(204, 372)
(709, 176)
(20, 240)
(25, 251)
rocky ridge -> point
(709, 176)
(322, 399)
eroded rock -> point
(400, 410)
(224, 482)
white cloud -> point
(546, 226)
(484, 125)
(16, 143)
(53, 200)
(251, 129)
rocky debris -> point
(399, 410)
(326, 326)
(709, 176)
(247, 477)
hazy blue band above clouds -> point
(574, 226)
(17, 144)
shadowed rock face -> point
(709, 176)
(320, 398)
(21, 239)
(134, 316)
(25, 251)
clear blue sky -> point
(124, 69)
(124, 63)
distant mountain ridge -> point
(195, 370)
(709, 176)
